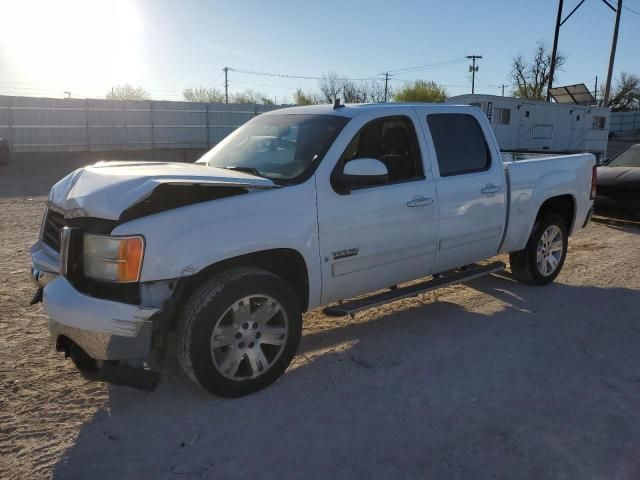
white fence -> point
(46, 124)
(624, 121)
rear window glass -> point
(459, 142)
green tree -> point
(250, 97)
(127, 92)
(300, 97)
(531, 79)
(203, 95)
(421, 91)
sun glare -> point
(89, 44)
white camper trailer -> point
(522, 125)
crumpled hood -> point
(621, 177)
(106, 189)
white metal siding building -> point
(522, 125)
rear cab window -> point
(459, 142)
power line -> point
(444, 63)
(631, 10)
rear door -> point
(471, 188)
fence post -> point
(125, 129)
(10, 122)
(207, 122)
(153, 138)
(86, 119)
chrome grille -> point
(53, 225)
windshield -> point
(629, 158)
(278, 147)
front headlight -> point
(114, 259)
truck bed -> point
(533, 178)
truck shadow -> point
(524, 383)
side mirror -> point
(363, 172)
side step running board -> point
(354, 306)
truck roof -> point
(353, 109)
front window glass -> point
(279, 147)
(392, 140)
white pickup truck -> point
(298, 208)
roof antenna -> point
(336, 104)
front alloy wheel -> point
(239, 331)
(249, 337)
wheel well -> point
(286, 263)
(563, 205)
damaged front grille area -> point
(169, 196)
(53, 224)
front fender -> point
(183, 241)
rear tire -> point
(239, 332)
(541, 261)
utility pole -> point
(595, 91)
(503, 89)
(68, 94)
(386, 86)
(612, 57)
(473, 69)
(226, 85)
(554, 51)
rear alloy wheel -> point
(540, 262)
(550, 251)
(239, 331)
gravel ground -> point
(489, 380)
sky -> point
(85, 47)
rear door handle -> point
(420, 201)
(490, 188)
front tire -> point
(239, 332)
(541, 261)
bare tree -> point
(531, 79)
(203, 95)
(127, 92)
(333, 86)
(625, 95)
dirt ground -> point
(489, 380)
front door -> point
(471, 190)
(377, 236)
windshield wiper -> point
(250, 170)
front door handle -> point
(420, 201)
(490, 188)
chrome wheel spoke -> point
(257, 360)
(231, 362)
(556, 246)
(265, 312)
(241, 312)
(553, 262)
(274, 335)
(223, 336)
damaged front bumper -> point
(104, 329)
